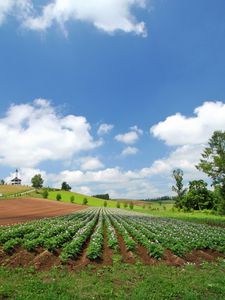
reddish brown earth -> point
(21, 210)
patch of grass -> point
(120, 281)
(78, 198)
(12, 189)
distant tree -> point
(72, 199)
(102, 196)
(2, 182)
(45, 194)
(213, 164)
(118, 204)
(198, 196)
(105, 203)
(178, 188)
(58, 197)
(125, 204)
(85, 201)
(37, 181)
(131, 205)
(65, 186)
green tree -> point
(178, 188)
(105, 203)
(85, 201)
(72, 199)
(2, 182)
(131, 205)
(118, 204)
(58, 197)
(45, 194)
(198, 196)
(37, 181)
(65, 186)
(125, 204)
(213, 164)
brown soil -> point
(21, 210)
(199, 256)
(143, 254)
(127, 256)
(45, 261)
(172, 260)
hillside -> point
(12, 189)
(78, 198)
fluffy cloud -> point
(91, 163)
(106, 15)
(32, 133)
(181, 130)
(130, 137)
(129, 151)
(21, 9)
(105, 128)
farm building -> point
(16, 180)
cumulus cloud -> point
(33, 133)
(107, 15)
(91, 163)
(130, 137)
(105, 128)
(181, 130)
(129, 151)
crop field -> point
(93, 236)
(12, 189)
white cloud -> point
(91, 163)
(18, 8)
(130, 137)
(129, 151)
(181, 130)
(107, 15)
(32, 133)
(105, 128)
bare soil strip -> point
(20, 210)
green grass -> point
(195, 216)
(78, 198)
(121, 281)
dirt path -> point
(21, 210)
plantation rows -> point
(68, 235)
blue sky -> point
(131, 64)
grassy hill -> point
(12, 189)
(78, 198)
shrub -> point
(72, 199)
(58, 197)
(125, 205)
(131, 205)
(105, 203)
(85, 201)
(118, 205)
(45, 194)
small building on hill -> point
(16, 180)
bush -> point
(72, 199)
(85, 201)
(45, 194)
(131, 205)
(125, 205)
(118, 205)
(58, 197)
(105, 203)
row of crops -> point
(68, 235)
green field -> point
(78, 198)
(120, 281)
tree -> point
(72, 199)
(2, 182)
(198, 196)
(65, 186)
(179, 186)
(118, 204)
(85, 201)
(37, 181)
(131, 205)
(125, 204)
(58, 197)
(102, 196)
(213, 164)
(45, 194)
(105, 203)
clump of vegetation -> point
(72, 199)
(102, 196)
(45, 194)
(37, 181)
(105, 203)
(58, 197)
(85, 201)
(118, 204)
(131, 205)
(125, 204)
(65, 187)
